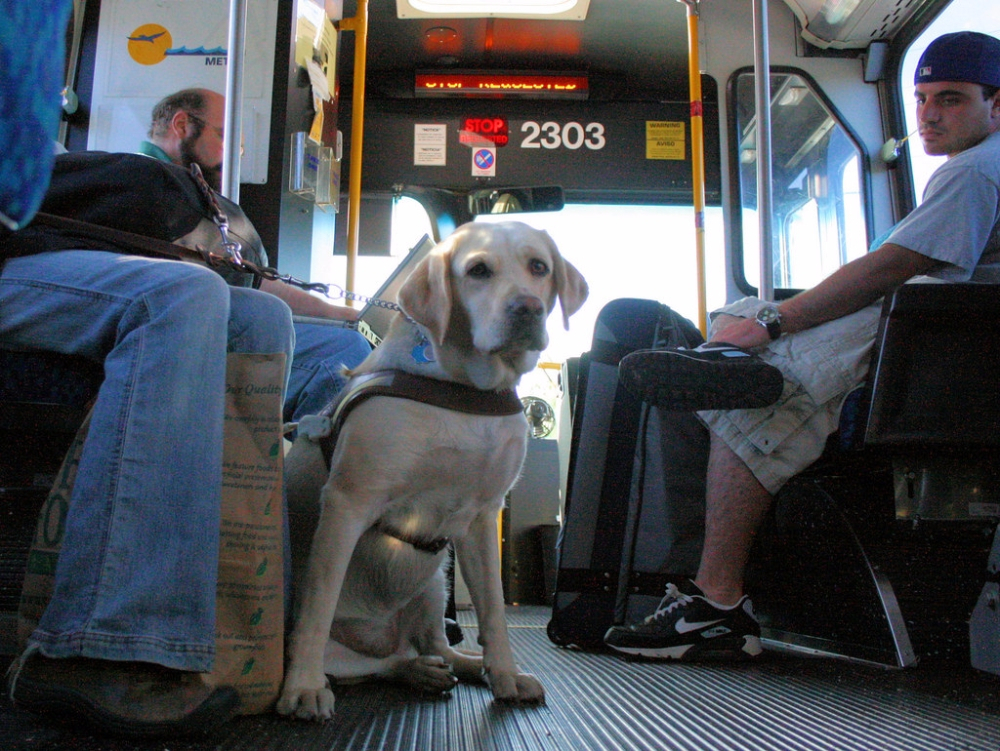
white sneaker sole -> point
(751, 648)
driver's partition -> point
(879, 551)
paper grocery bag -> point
(250, 608)
(249, 619)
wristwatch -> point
(770, 318)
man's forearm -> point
(852, 287)
(304, 304)
(849, 289)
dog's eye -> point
(479, 271)
(538, 268)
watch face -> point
(767, 315)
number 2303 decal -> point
(571, 135)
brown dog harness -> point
(325, 427)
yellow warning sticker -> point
(664, 140)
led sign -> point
(501, 85)
(492, 129)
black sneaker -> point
(686, 626)
(712, 376)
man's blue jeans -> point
(137, 572)
(320, 353)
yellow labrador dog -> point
(407, 477)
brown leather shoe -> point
(130, 699)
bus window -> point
(855, 235)
(629, 251)
(410, 222)
(817, 195)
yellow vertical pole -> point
(359, 25)
(697, 158)
(500, 536)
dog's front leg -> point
(306, 693)
(479, 556)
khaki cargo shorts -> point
(821, 366)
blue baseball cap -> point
(966, 56)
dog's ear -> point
(426, 295)
(570, 286)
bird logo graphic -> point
(147, 37)
(148, 44)
(151, 43)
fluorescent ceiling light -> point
(566, 10)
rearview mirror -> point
(515, 200)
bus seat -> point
(840, 568)
(936, 343)
(44, 398)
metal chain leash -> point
(233, 257)
(332, 291)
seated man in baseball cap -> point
(820, 341)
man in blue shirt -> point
(820, 342)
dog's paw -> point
(306, 704)
(427, 673)
(517, 687)
(468, 666)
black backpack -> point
(137, 194)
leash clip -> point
(315, 427)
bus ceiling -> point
(853, 24)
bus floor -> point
(599, 701)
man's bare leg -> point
(735, 506)
(717, 622)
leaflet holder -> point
(314, 171)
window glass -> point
(410, 222)
(855, 233)
(629, 251)
(622, 251)
(818, 205)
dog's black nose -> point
(526, 322)
(527, 307)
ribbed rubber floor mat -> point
(600, 702)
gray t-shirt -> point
(958, 222)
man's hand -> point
(305, 304)
(336, 312)
(745, 333)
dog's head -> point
(484, 293)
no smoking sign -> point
(484, 161)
